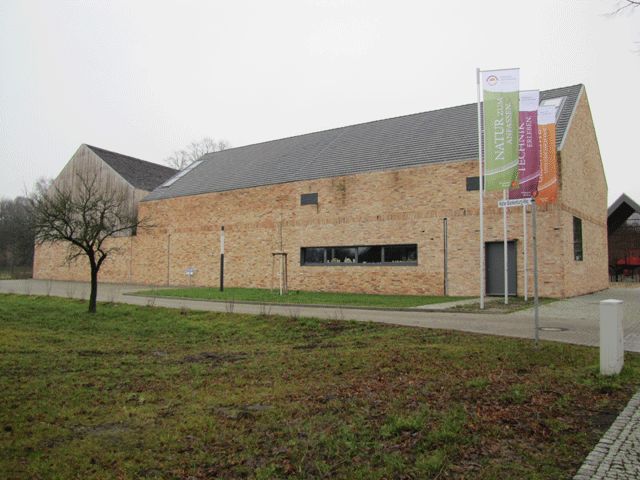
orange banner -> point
(548, 183)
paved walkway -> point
(575, 320)
(617, 455)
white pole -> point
(524, 234)
(534, 239)
(481, 181)
(611, 337)
(506, 256)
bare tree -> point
(623, 5)
(85, 216)
(181, 159)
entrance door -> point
(495, 267)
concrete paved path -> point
(576, 318)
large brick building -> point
(389, 206)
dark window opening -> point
(473, 184)
(369, 254)
(577, 239)
(400, 253)
(309, 199)
(314, 255)
(343, 255)
(360, 255)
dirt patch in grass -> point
(214, 358)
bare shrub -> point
(113, 293)
(338, 314)
(264, 309)
(151, 300)
(294, 313)
(230, 305)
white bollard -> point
(611, 337)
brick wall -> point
(583, 193)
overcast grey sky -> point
(145, 78)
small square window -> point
(309, 199)
(473, 184)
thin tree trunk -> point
(94, 288)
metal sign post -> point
(505, 251)
(534, 238)
(524, 202)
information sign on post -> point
(514, 202)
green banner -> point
(501, 124)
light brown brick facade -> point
(388, 207)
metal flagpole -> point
(506, 253)
(524, 234)
(481, 182)
(534, 235)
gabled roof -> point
(139, 173)
(437, 136)
(620, 211)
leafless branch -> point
(84, 215)
(180, 159)
(623, 5)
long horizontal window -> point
(360, 255)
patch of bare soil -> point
(214, 358)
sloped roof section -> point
(620, 211)
(437, 136)
(139, 173)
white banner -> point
(546, 114)
(507, 80)
(529, 100)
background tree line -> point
(17, 237)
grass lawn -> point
(260, 295)
(144, 392)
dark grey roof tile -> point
(139, 173)
(444, 135)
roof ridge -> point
(368, 123)
(94, 148)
